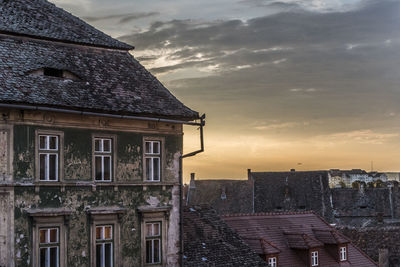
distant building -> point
(290, 239)
(345, 178)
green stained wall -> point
(77, 164)
(78, 200)
(78, 154)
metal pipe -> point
(88, 113)
(202, 123)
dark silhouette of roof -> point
(291, 232)
(209, 241)
(42, 19)
(105, 80)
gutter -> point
(191, 154)
(88, 113)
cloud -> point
(122, 18)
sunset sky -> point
(304, 84)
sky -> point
(303, 84)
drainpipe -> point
(191, 154)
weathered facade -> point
(90, 147)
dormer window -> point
(57, 73)
(272, 262)
(343, 253)
(314, 258)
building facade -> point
(90, 145)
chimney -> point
(292, 170)
(248, 174)
(383, 257)
(192, 184)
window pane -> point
(53, 235)
(107, 232)
(97, 145)
(53, 142)
(43, 257)
(42, 166)
(107, 168)
(149, 229)
(107, 145)
(42, 236)
(99, 255)
(149, 166)
(156, 229)
(108, 255)
(99, 231)
(149, 249)
(53, 167)
(156, 169)
(156, 250)
(156, 148)
(148, 147)
(42, 142)
(54, 257)
(98, 168)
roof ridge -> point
(42, 19)
(269, 213)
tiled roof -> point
(209, 241)
(261, 245)
(110, 81)
(276, 227)
(42, 19)
(224, 195)
(302, 241)
(331, 237)
(294, 191)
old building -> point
(90, 145)
(296, 239)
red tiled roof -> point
(282, 229)
(261, 245)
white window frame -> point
(47, 152)
(103, 241)
(151, 155)
(102, 154)
(272, 261)
(343, 253)
(314, 258)
(47, 245)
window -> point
(104, 246)
(153, 242)
(153, 160)
(105, 234)
(49, 246)
(49, 231)
(272, 262)
(48, 157)
(343, 254)
(103, 159)
(314, 258)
